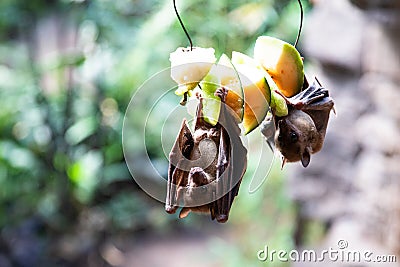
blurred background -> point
(67, 72)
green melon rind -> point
(274, 46)
(211, 103)
(278, 103)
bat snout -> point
(221, 218)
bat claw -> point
(184, 99)
(282, 95)
(312, 94)
(221, 92)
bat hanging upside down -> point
(302, 132)
(206, 166)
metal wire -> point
(183, 26)
(301, 23)
(190, 39)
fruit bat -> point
(302, 132)
(206, 167)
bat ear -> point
(284, 160)
(184, 212)
(305, 158)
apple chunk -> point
(189, 67)
(283, 63)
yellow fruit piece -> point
(220, 75)
(283, 63)
(230, 80)
(235, 103)
(257, 94)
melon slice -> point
(257, 94)
(230, 80)
(222, 74)
(283, 63)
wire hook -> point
(190, 39)
(301, 23)
(183, 26)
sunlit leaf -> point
(81, 130)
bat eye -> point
(293, 137)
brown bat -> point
(207, 166)
(302, 132)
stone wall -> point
(353, 185)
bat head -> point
(197, 178)
(295, 136)
(197, 190)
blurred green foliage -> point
(68, 69)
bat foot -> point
(314, 93)
(221, 92)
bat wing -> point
(268, 129)
(177, 174)
(231, 166)
(316, 102)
